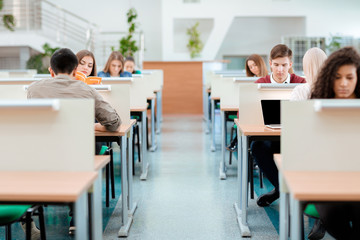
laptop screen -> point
(271, 111)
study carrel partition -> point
(57, 146)
(319, 151)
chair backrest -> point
(250, 95)
(320, 135)
(47, 135)
(117, 93)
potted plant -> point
(8, 19)
(195, 44)
(128, 44)
(41, 61)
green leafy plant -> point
(195, 44)
(128, 44)
(41, 61)
(334, 44)
(8, 19)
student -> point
(312, 62)
(87, 63)
(263, 151)
(129, 65)
(255, 67)
(339, 79)
(114, 66)
(63, 65)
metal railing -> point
(51, 21)
(106, 40)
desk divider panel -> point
(57, 139)
(17, 91)
(250, 94)
(325, 140)
(146, 84)
(157, 77)
(229, 95)
(118, 96)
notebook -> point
(271, 113)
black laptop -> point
(271, 113)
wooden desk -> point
(223, 111)
(315, 186)
(101, 161)
(245, 134)
(51, 188)
(124, 139)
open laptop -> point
(271, 113)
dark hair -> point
(83, 53)
(63, 61)
(259, 62)
(324, 85)
(129, 59)
(115, 55)
(279, 51)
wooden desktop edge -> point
(256, 130)
(48, 186)
(101, 161)
(229, 108)
(138, 109)
(124, 128)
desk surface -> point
(124, 129)
(228, 108)
(44, 186)
(215, 98)
(138, 109)
(278, 160)
(257, 130)
(323, 186)
(151, 97)
(101, 161)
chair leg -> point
(261, 177)
(231, 138)
(251, 176)
(133, 150)
(8, 232)
(42, 223)
(28, 221)
(112, 174)
(147, 134)
(107, 179)
(138, 143)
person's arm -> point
(105, 114)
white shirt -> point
(286, 81)
(301, 92)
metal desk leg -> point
(81, 220)
(207, 115)
(160, 105)
(237, 205)
(153, 137)
(284, 215)
(158, 114)
(132, 205)
(144, 165)
(96, 206)
(213, 149)
(296, 219)
(244, 227)
(126, 220)
(223, 139)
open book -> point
(88, 80)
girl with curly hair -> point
(339, 75)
